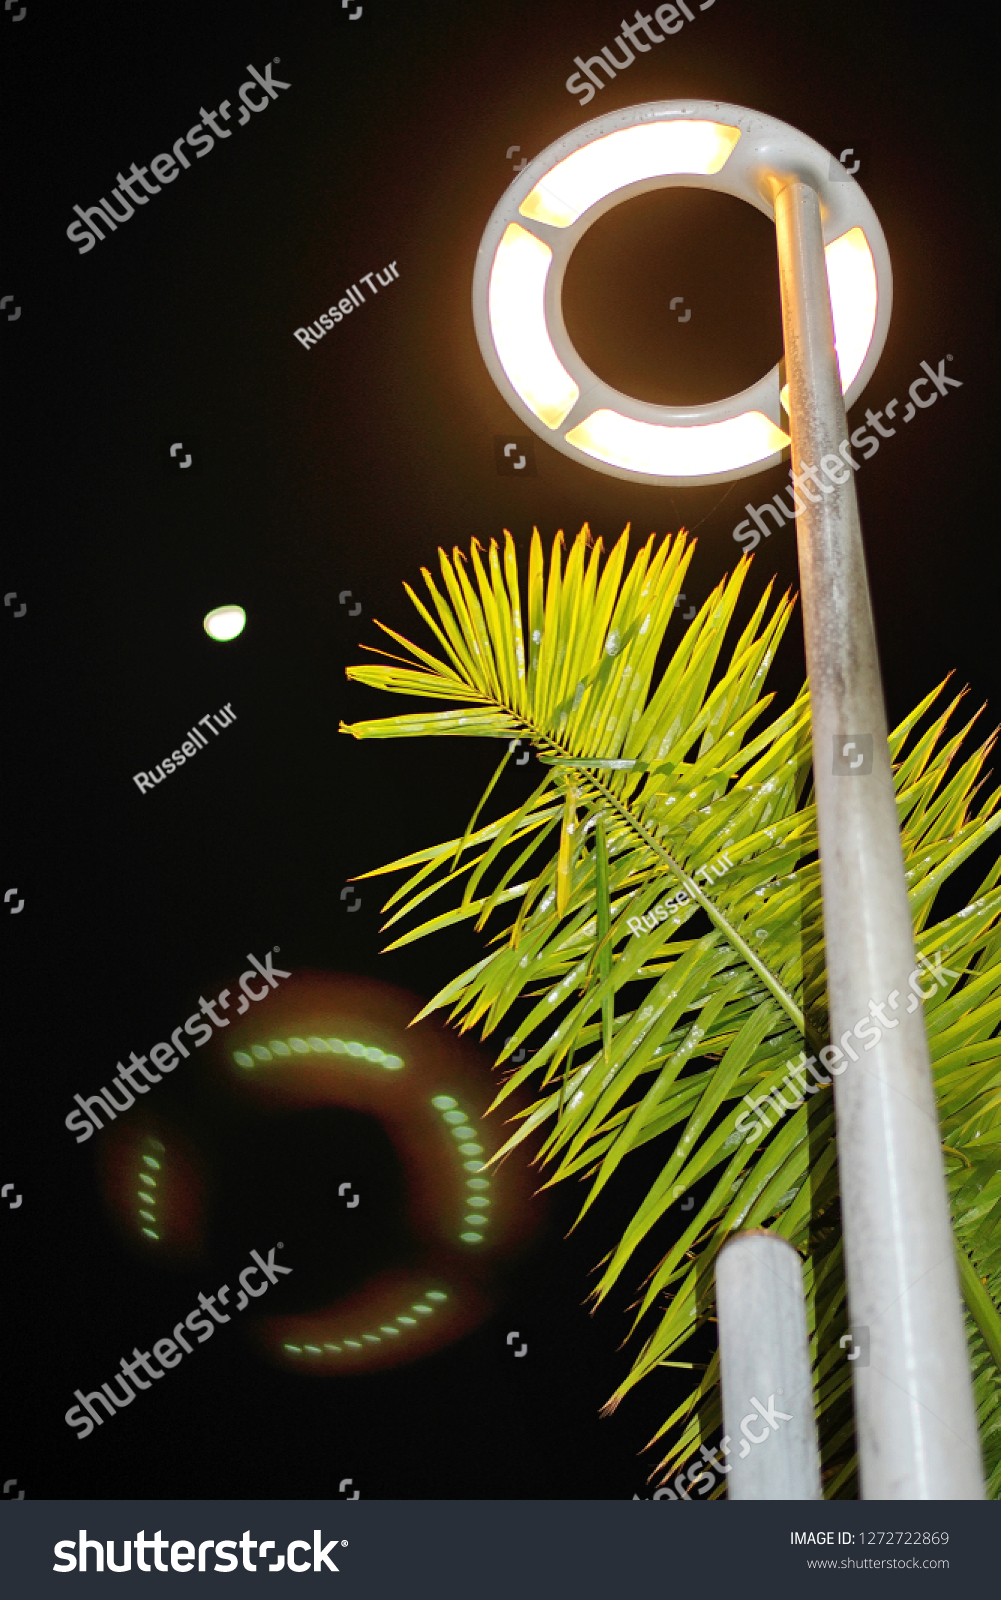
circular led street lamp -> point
(518, 287)
(915, 1419)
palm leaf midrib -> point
(543, 739)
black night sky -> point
(342, 468)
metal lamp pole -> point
(917, 1433)
(765, 1372)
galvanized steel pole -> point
(915, 1420)
(768, 1408)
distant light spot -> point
(225, 623)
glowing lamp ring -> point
(522, 259)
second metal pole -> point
(915, 1420)
(765, 1374)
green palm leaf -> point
(657, 772)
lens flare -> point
(326, 1042)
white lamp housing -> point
(518, 284)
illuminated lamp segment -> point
(517, 311)
(650, 150)
(851, 281)
(851, 277)
(665, 451)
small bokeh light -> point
(225, 622)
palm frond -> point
(665, 1001)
